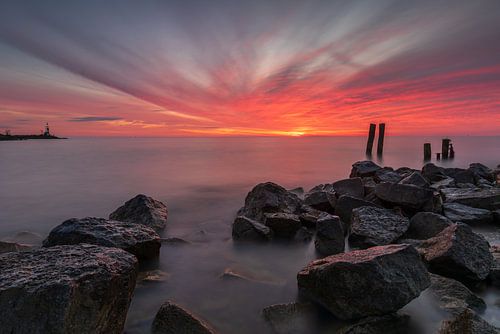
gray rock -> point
(425, 225)
(246, 229)
(321, 199)
(460, 175)
(137, 239)
(368, 185)
(269, 198)
(292, 318)
(363, 283)
(386, 324)
(453, 296)
(387, 175)
(364, 169)
(299, 191)
(345, 205)
(173, 319)
(417, 179)
(66, 289)
(143, 210)
(481, 171)
(330, 235)
(404, 195)
(433, 173)
(372, 226)
(405, 171)
(309, 216)
(447, 182)
(488, 199)
(353, 187)
(495, 268)
(459, 253)
(462, 213)
(283, 225)
(6, 247)
(467, 322)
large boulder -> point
(143, 210)
(467, 322)
(283, 225)
(345, 205)
(459, 253)
(269, 198)
(387, 175)
(481, 171)
(462, 213)
(246, 229)
(482, 198)
(460, 175)
(353, 187)
(66, 289)
(321, 197)
(372, 226)
(425, 225)
(174, 319)
(385, 324)
(453, 296)
(330, 235)
(433, 173)
(404, 195)
(137, 239)
(292, 318)
(364, 168)
(363, 283)
(417, 179)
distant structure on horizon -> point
(44, 134)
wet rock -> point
(467, 322)
(368, 185)
(488, 199)
(363, 283)
(269, 198)
(405, 171)
(292, 318)
(481, 171)
(353, 187)
(425, 225)
(447, 182)
(385, 324)
(495, 268)
(299, 191)
(404, 195)
(66, 289)
(230, 274)
(372, 226)
(143, 210)
(173, 319)
(433, 173)
(364, 169)
(345, 205)
(435, 204)
(417, 179)
(137, 239)
(321, 199)
(387, 175)
(459, 253)
(460, 175)
(309, 216)
(462, 213)
(246, 229)
(6, 247)
(174, 241)
(152, 276)
(453, 296)
(330, 235)
(283, 225)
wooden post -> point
(445, 147)
(438, 156)
(427, 152)
(381, 133)
(371, 138)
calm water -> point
(203, 182)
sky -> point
(260, 67)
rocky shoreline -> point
(383, 236)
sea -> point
(203, 182)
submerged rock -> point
(66, 289)
(345, 205)
(404, 195)
(143, 210)
(467, 322)
(386, 324)
(330, 235)
(482, 198)
(353, 187)
(364, 169)
(363, 283)
(453, 296)
(250, 230)
(292, 318)
(283, 225)
(137, 239)
(425, 225)
(6, 247)
(462, 213)
(459, 253)
(173, 319)
(372, 226)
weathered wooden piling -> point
(371, 138)
(381, 134)
(452, 152)
(427, 152)
(438, 156)
(445, 147)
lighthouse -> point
(46, 133)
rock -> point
(269, 198)
(303, 235)
(481, 171)
(386, 324)
(495, 268)
(173, 319)
(292, 318)
(26, 238)
(174, 241)
(137, 239)
(467, 322)
(345, 205)
(364, 169)
(404, 195)
(234, 275)
(460, 175)
(459, 253)
(143, 210)
(496, 216)
(372, 226)
(363, 283)
(387, 175)
(6, 247)
(152, 276)
(309, 216)
(462, 213)
(425, 225)
(453, 296)
(405, 171)
(435, 204)
(246, 229)
(353, 187)
(299, 191)
(330, 235)
(368, 185)
(433, 173)
(283, 225)
(321, 199)
(488, 199)
(447, 182)
(417, 179)
(66, 289)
